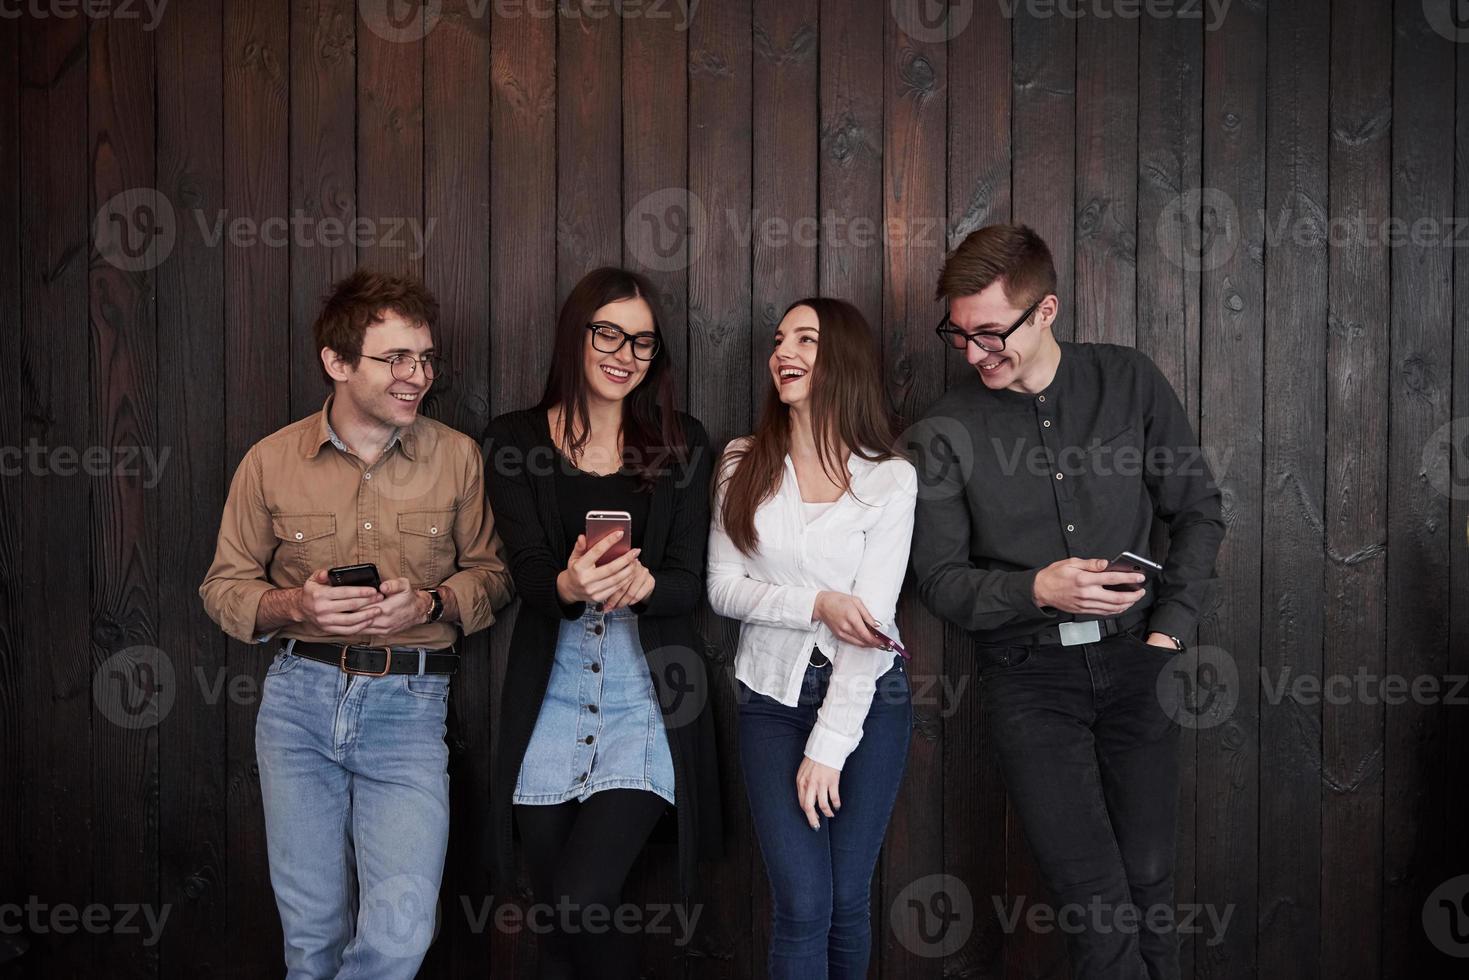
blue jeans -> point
(820, 880)
(355, 784)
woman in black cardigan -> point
(605, 716)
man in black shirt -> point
(1053, 459)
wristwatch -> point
(437, 610)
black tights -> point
(578, 855)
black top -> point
(578, 492)
(1011, 482)
(524, 491)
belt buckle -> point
(1074, 634)
(387, 662)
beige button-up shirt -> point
(301, 501)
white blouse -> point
(859, 546)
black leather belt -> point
(1072, 634)
(376, 661)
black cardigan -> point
(520, 464)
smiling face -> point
(612, 377)
(794, 358)
(369, 389)
(1028, 350)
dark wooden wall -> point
(1327, 373)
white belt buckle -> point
(1073, 634)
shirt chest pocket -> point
(306, 542)
(1114, 470)
(425, 546)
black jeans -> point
(1090, 760)
(578, 856)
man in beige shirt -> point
(350, 735)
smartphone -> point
(601, 523)
(1129, 562)
(892, 644)
(364, 574)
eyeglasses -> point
(991, 341)
(403, 366)
(609, 338)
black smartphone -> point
(1129, 562)
(364, 574)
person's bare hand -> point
(337, 610)
(817, 787)
(583, 580)
(1079, 586)
(847, 617)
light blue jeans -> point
(355, 784)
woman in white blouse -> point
(807, 548)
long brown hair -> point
(650, 428)
(847, 409)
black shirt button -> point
(596, 668)
(597, 629)
(589, 740)
(592, 708)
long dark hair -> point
(847, 409)
(650, 427)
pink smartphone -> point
(601, 523)
(892, 644)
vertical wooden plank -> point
(1456, 720)
(1232, 334)
(1044, 134)
(56, 775)
(1044, 175)
(1106, 179)
(1420, 381)
(523, 300)
(1292, 622)
(12, 598)
(783, 229)
(721, 300)
(849, 177)
(193, 858)
(655, 144)
(588, 142)
(974, 798)
(457, 270)
(785, 179)
(1170, 103)
(1356, 486)
(915, 94)
(390, 132)
(124, 516)
(256, 41)
(323, 159)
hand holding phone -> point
(890, 643)
(601, 523)
(1137, 564)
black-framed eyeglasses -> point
(609, 338)
(991, 341)
(403, 366)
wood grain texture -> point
(1219, 194)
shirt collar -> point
(323, 433)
